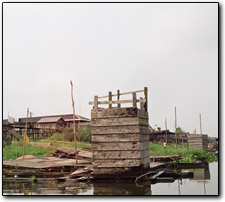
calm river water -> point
(205, 182)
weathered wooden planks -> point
(120, 154)
(126, 146)
(120, 137)
(118, 112)
(45, 162)
(111, 163)
(123, 121)
(116, 154)
(120, 140)
(121, 129)
(116, 163)
(196, 141)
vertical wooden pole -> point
(110, 99)
(166, 129)
(200, 123)
(24, 143)
(146, 98)
(31, 128)
(118, 98)
(134, 100)
(96, 102)
(176, 126)
(183, 145)
(74, 126)
(141, 104)
(16, 147)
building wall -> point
(53, 125)
(197, 141)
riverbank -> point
(186, 155)
(46, 148)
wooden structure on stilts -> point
(120, 137)
(198, 141)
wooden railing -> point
(110, 102)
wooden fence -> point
(134, 100)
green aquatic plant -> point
(33, 178)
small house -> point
(198, 141)
(51, 123)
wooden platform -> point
(163, 158)
(44, 162)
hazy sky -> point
(171, 48)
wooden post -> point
(24, 143)
(146, 98)
(96, 102)
(16, 147)
(176, 127)
(110, 99)
(141, 104)
(118, 98)
(74, 126)
(166, 129)
(183, 145)
(134, 100)
(200, 124)
(31, 133)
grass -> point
(187, 156)
(158, 149)
(66, 143)
(15, 150)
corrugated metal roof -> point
(77, 120)
(63, 116)
(49, 120)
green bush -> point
(84, 134)
(187, 156)
(56, 137)
(6, 140)
(68, 134)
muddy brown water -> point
(205, 182)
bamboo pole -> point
(166, 129)
(74, 126)
(16, 147)
(24, 142)
(200, 123)
(176, 126)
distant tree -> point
(157, 128)
(180, 131)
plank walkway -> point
(47, 162)
(44, 162)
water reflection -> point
(121, 188)
(47, 188)
(204, 182)
(202, 176)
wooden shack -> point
(51, 123)
(120, 138)
(197, 141)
